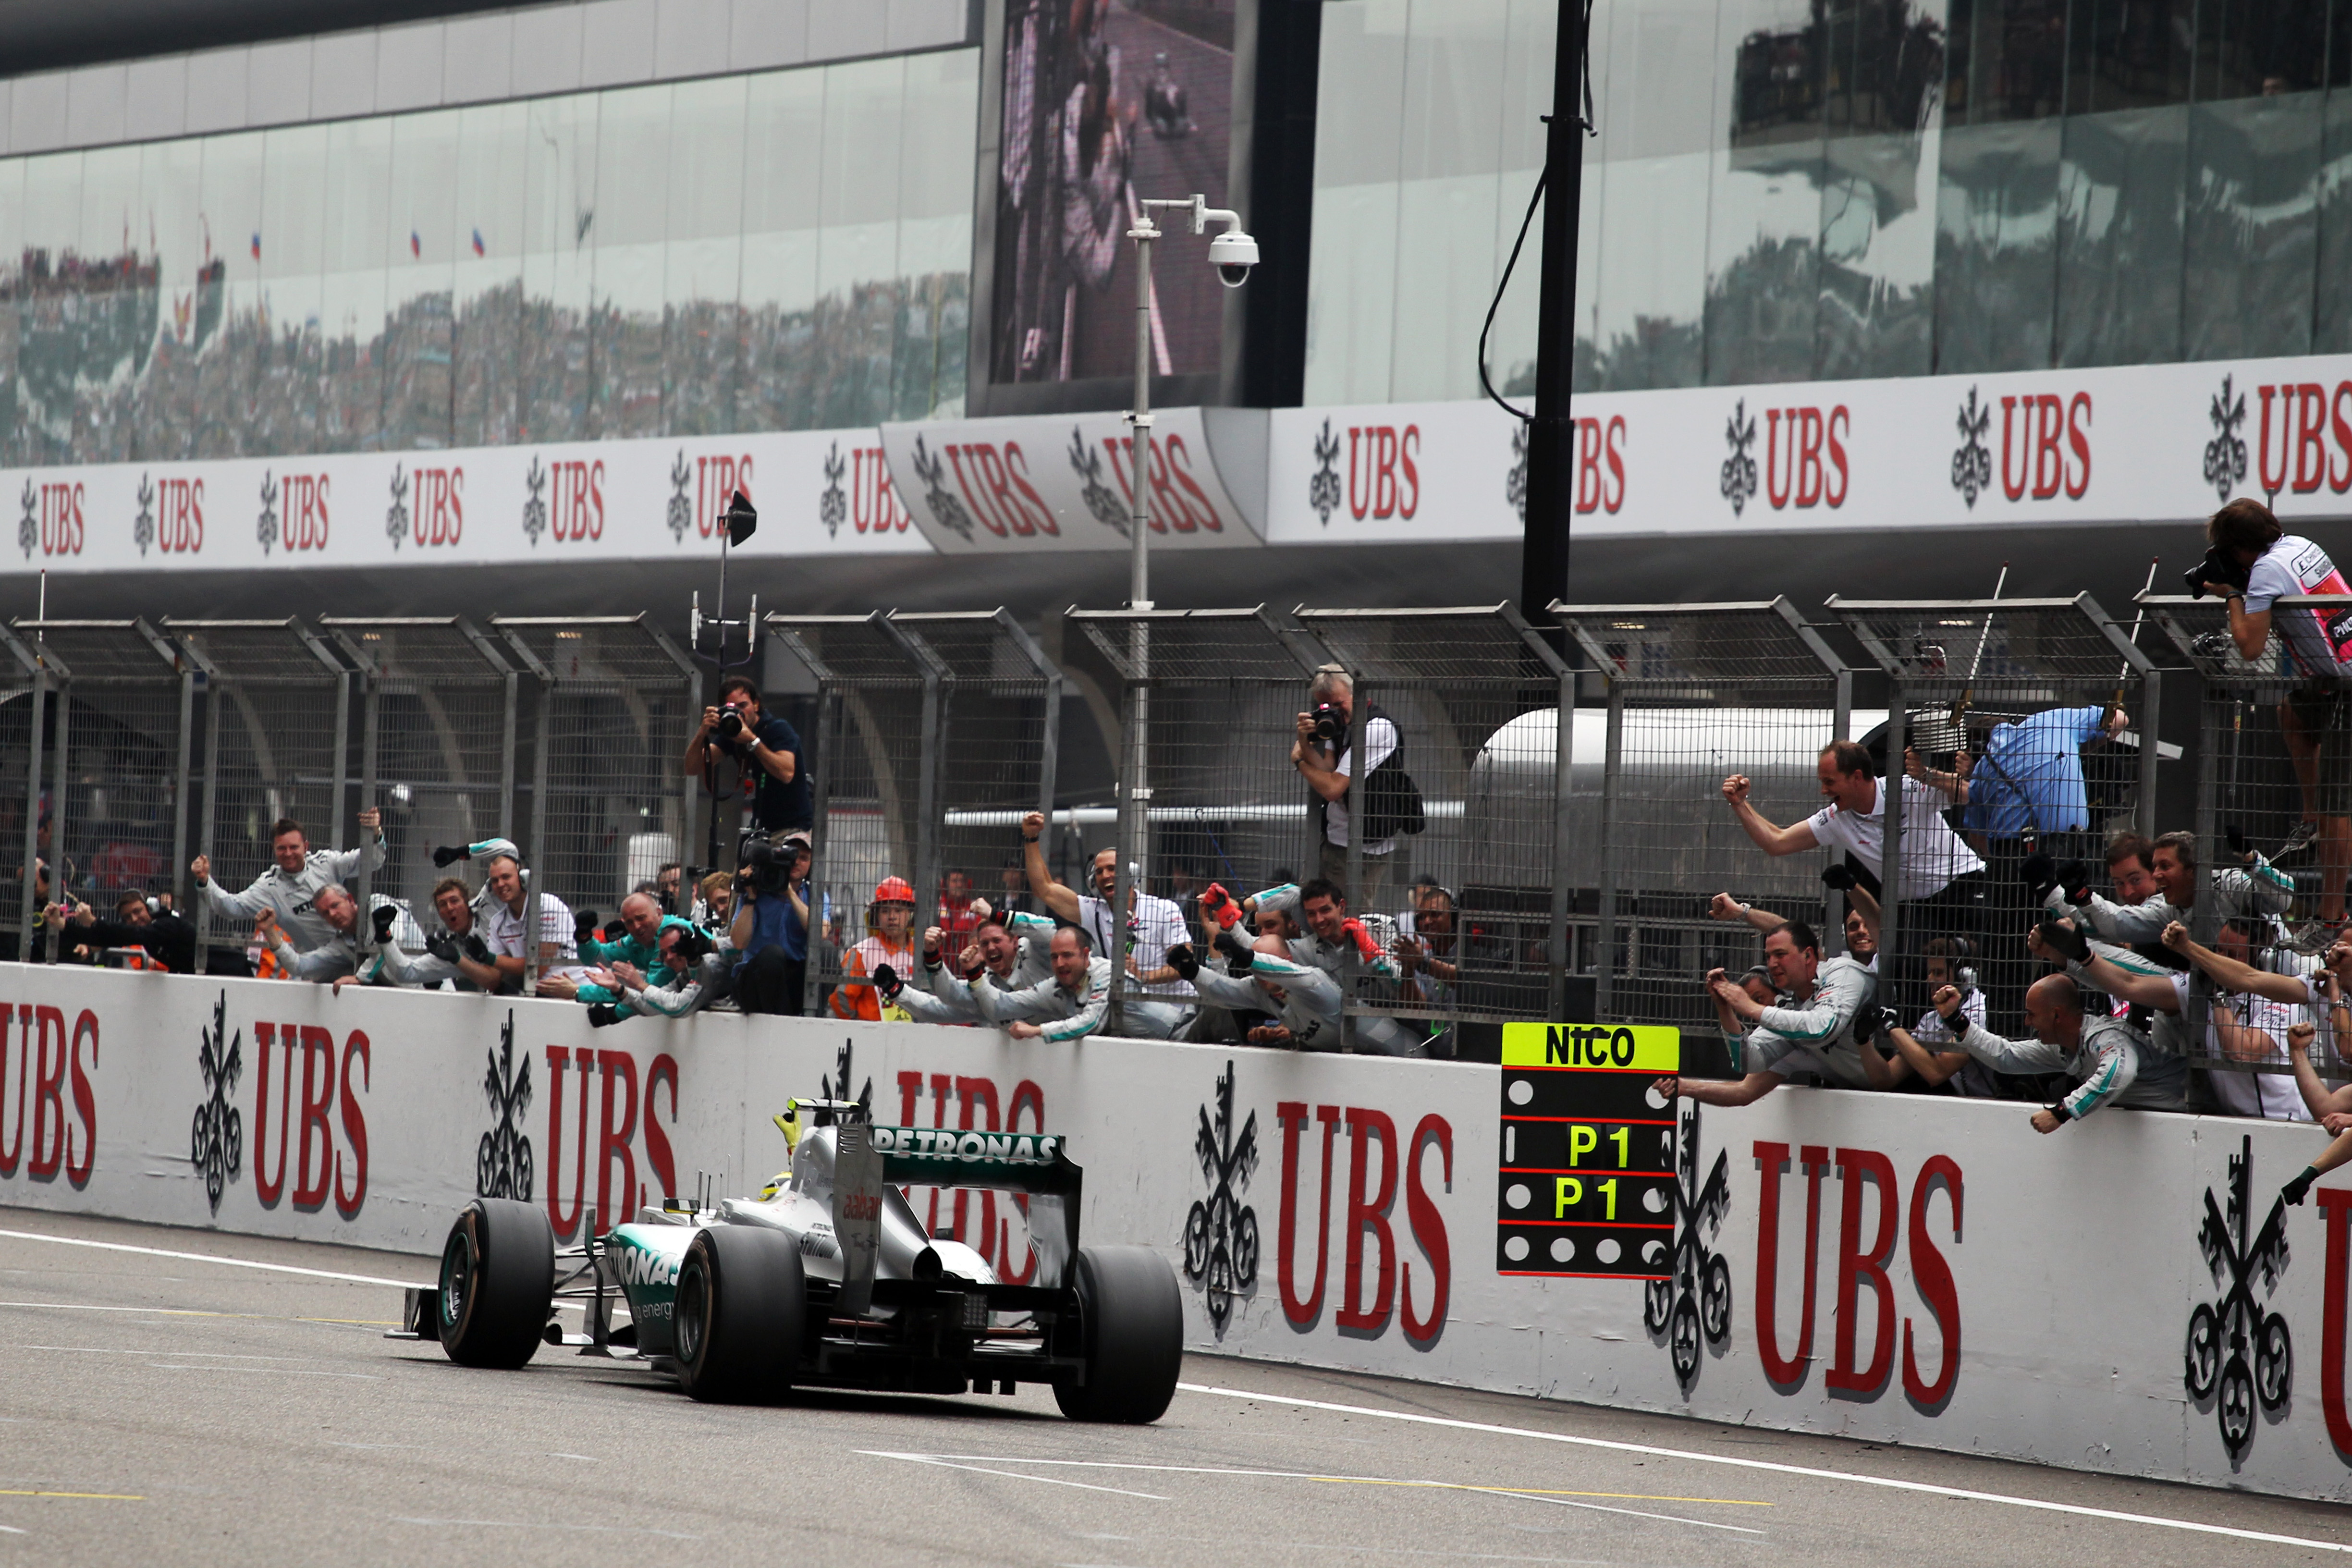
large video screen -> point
(1106, 102)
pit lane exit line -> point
(1773, 1466)
(202, 1257)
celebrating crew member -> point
(1154, 926)
(291, 888)
(1827, 1012)
(1070, 1005)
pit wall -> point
(1902, 1269)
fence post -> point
(343, 757)
(25, 895)
(1562, 794)
(204, 822)
(1050, 739)
(539, 744)
(370, 710)
(1612, 763)
(829, 722)
(691, 804)
(938, 682)
(63, 752)
(1126, 862)
(1890, 808)
(180, 781)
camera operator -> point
(1154, 926)
(289, 888)
(2254, 562)
(1321, 754)
(766, 747)
(456, 958)
(770, 930)
(158, 939)
(1068, 1005)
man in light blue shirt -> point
(2028, 785)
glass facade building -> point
(779, 250)
(1812, 189)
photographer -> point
(2253, 563)
(766, 749)
(1323, 757)
(157, 940)
(770, 930)
(458, 957)
(289, 888)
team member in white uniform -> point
(1154, 925)
(1810, 1029)
(289, 890)
(1068, 1005)
(2109, 1060)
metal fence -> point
(2263, 786)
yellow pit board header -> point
(1643, 1047)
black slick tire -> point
(741, 1302)
(497, 1279)
(1130, 1334)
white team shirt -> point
(1932, 853)
(2318, 641)
(1157, 926)
(1380, 744)
(501, 928)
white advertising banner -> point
(818, 493)
(1062, 482)
(2126, 1296)
(2130, 444)
(1395, 473)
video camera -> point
(2216, 567)
(763, 869)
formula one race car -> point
(828, 1279)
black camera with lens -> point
(2216, 567)
(1330, 724)
(763, 871)
(729, 729)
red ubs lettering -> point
(995, 484)
(716, 481)
(440, 505)
(979, 1102)
(180, 515)
(1862, 1265)
(60, 513)
(1386, 481)
(1376, 1280)
(1804, 456)
(616, 1135)
(1178, 501)
(304, 500)
(320, 1169)
(2314, 446)
(873, 504)
(2031, 462)
(575, 501)
(50, 1066)
(1596, 444)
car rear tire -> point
(741, 1302)
(497, 1279)
(1131, 1334)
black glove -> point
(385, 917)
(1238, 953)
(584, 925)
(887, 982)
(477, 949)
(1839, 875)
(1868, 1020)
(448, 854)
(2065, 941)
(603, 1014)
(2040, 871)
(2235, 837)
(1183, 961)
(2074, 877)
(2294, 1191)
(442, 946)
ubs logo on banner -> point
(2045, 448)
(52, 519)
(171, 516)
(1804, 458)
(1220, 1245)
(2314, 435)
(565, 499)
(302, 522)
(440, 515)
(1383, 472)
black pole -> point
(1543, 559)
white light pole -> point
(1232, 253)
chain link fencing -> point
(2273, 777)
(2020, 715)
(1692, 695)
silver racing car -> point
(828, 1279)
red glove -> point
(1221, 904)
(1366, 948)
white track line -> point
(1009, 1475)
(202, 1257)
(1525, 1495)
(1888, 1482)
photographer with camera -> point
(2253, 563)
(768, 934)
(1322, 755)
(767, 751)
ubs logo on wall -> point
(216, 1136)
(502, 1164)
(1221, 1245)
(2225, 454)
(2240, 1356)
(1696, 1300)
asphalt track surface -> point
(166, 1406)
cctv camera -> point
(1233, 254)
